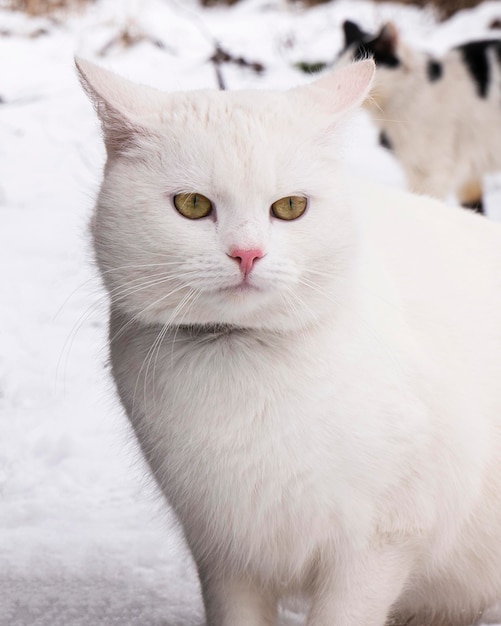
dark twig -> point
(217, 60)
(221, 56)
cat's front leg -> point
(237, 603)
(360, 590)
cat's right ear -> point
(342, 89)
(122, 106)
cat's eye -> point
(192, 205)
(289, 208)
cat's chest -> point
(246, 453)
(274, 442)
(262, 409)
(235, 407)
(274, 425)
(238, 399)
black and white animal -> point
(440, 116)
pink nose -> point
(246, 258)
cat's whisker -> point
(91, 279)
(312, 285)
(156, 279)
(155, 347)
(140, 313)
(317, 272)
(391, 120)
(296, 301)
(98, 280)
(292, 305)
(118, 293)
(104, 295)
(157, 340)
(140, 266)
(71, 336)
(166, 327)
(122, 292)
(189, 302)
(103, 299)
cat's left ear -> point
(353, 33)
(343, 89)
(123, 107)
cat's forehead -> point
(226, 113)
(239, 139)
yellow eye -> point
(289, 208)
(192, 205)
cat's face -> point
(224, 207)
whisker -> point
(123, 291)
(155, 348)
(116, 294)
(151, 281)
(375, 334)
(70, 338)
(318, 272)
(68, 344)
(290, 304)
(389, 119)
(136, 316)
(187, 303)
(139, 266)
(315, 287)
(97, 277)
(196, 293)
(71, 294)
(303, 304)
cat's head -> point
(225, 207)
(384, 47)
(396, 62)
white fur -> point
(445, 135)
(334, 432)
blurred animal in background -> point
(440, 116)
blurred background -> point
(85, 539)
(445, 8)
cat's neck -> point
(123, 329)
(197, 330)
(229, 334)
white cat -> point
(312, 367)
(441, 116)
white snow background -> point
(85, 539)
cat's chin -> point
(245, 307)
(241, 289)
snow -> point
(85, 538)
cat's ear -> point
(122, 106)
(353, 33)
(344, 88)
(386, 42)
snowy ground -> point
(85, 540)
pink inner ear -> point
(344, 88)
(120, 104)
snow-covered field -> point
(85, 539)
